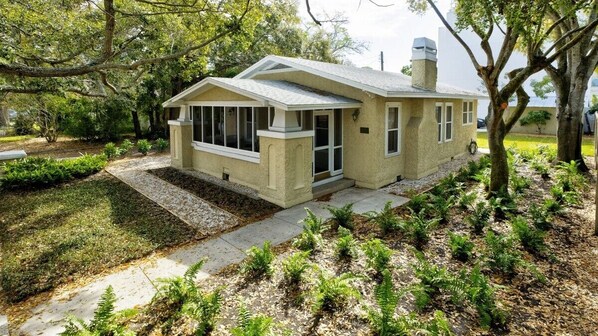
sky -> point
(389, 29)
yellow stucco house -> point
(287, 126)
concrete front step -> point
(332, 187)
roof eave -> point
(299, 107)
(398, 94)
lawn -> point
(527, 142)
(54, 235)
(6, 139)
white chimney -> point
(423, 64)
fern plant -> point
(204, 308)
(259, 261)
(418, 202)
(433, 280)
(343, 215)
(311, 237)
(478, 219)
(346, 246)
(541, 168)
(461, 247)
(466, 200)
(382, 320)
(530, 238)
(105, 321)
(330, 292)
(503, 205)
(482, 295)
(483, 176)
(294, 267)
(553, 207)
(418, 228)
(252, 325)
(378, 255)
(442, 206)
(386, 219)
(501, 255)
(540, 217)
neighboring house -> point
(286, 125)
(536, 104)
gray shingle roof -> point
(284, 92)
(380, 82)
(549, 101)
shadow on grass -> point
(52, 236)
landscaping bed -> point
(522, 268)
(245, 207)
(56, 235)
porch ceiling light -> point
(355, 114)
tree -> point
(537, 117)
(523, 24)
(74, 45)
(570, 75)
(406, 70)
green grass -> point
(15, 138)
(527, 142)
(52, 236)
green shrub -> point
(343, 215)
(330, 292)
(143, 146)
(386, 219)
(259, 261)
(503, 205)
(44, 172)
(541, 168)
(378, 255)
(110, 150)
(481, 294)
(125, 147)
(311, 237)
(450, 185)
(103, 119)
(569, 177)
(472, 169)
(519, 183)
(553, 207)
(540, 217)
(183, 297)
(501, 254)
(433, 280)
(105, 321)
(441, 206)
(346, 246)
(418, 228)
(161, 144)
(547, 152)
(252, 325)
(418, 202)
(466, 200)
(478, 219)
(294, 267)
(530, 238)
(484, 162)
(461, 247)
(565, 197)
(383, 322)
(483, 176)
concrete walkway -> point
(135, 285)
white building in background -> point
(455, 67)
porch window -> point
(467, 112)
(393, 114)
(234, 127)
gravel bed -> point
(402, 187)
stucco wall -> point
(549, 129)
(240, 171)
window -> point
(234, 127)
(393, 114)
(444, 119)
(448, 124)
(467, 113)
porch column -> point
(286, 159)
(181, 152)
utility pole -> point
(382, 61)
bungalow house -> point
(286, 126)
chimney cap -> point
(424, 49)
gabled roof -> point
(383, 83)
(282, 94)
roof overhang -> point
(210, 83)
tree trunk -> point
(570, 122)
(152, 122)
(499, 175)
(136, 124)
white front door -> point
(327, 161)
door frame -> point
(333, 174)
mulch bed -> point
(567, 304)
(242, 206)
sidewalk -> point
(134, 285)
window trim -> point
(387, 130)
(440, 136)
(467, 113)
(452, 122)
